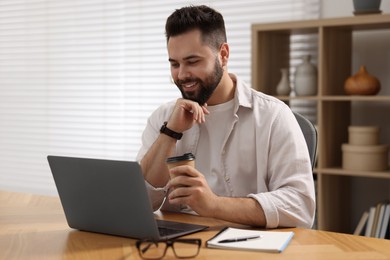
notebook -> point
(251, 240)
(110, 197)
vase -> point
(305, 80)
(283, 88)
(366, 6)
(362, 83)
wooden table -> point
(34, 227)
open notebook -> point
(267, 241)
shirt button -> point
(227, 178)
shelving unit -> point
(270, 43)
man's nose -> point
(183, 73)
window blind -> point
(80, 77)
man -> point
(252, 164)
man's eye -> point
(174, 65)
(191, 62)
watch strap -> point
(165, 130)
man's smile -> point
(190, 86)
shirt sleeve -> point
(152, 129)
(149, 136)
(290, 199)
(158, 200)
(156, 195)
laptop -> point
(110, 197)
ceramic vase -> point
(362, 83)
(305, 80)
(366, 6)
(283, 88)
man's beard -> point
(205, 88)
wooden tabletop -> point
(34, 227)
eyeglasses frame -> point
(170, 243)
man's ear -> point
(224, 54)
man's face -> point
(195, 68)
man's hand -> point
(185, 114)
(189, 187)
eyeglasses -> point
(182, 248)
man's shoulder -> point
(251, 97)
(162, 112)
(165, 107)
(266, 101)
(262, 96)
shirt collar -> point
(243, 93)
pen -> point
(238, 239)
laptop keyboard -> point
(164, 231)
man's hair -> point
(207, 20)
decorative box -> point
(365, 157)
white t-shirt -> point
(213, 135)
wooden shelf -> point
(356, 98)
(337, 98)
(333, 109)
(343, 172)
(364, 22)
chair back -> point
(310, 134)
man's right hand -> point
(185, 114)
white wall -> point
(372, 50)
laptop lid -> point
(108, 196)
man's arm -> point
(240, 210)
(191, 188)
(184, 115)
(153, 164)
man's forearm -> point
(153, 164)
(245, 211)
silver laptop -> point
(110, 197)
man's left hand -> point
(189, 187)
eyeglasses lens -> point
(152, 250)
(185, 249)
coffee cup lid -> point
(184, 157)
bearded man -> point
(252, 163)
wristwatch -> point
(165, 130)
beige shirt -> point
(264, 156)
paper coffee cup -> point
(185, 159)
